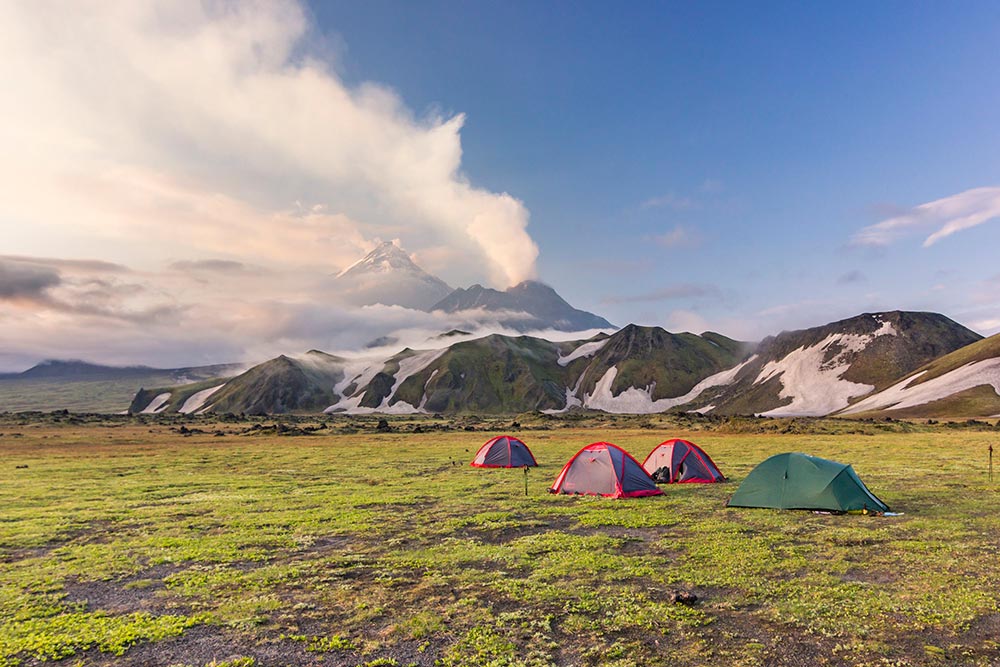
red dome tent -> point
(684, 461)
(504, 451)
(603, 469)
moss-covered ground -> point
(135, 542)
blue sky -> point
(181, 179)
(758, 136)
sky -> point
(180, 179)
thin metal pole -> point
(991, 464)
(526, 477)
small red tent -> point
(685, 461)
(603, 469)
(504, 451)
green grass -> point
(389, 549)
(80, 396)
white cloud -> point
(669, 200)
(168, 130)
(686, 320)
(678, 237)
(948, 215)
(174, 319)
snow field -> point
(197, 400)
(905, 394)
(157, 404)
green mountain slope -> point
(669, 364)
(495, 374)
(817, 371)
(543, 306)
(281, 385)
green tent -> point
(803, 482)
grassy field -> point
(97, 395)
(137, 542)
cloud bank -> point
(180, 179)
(946, 216)
(194, 128)
(179, 319)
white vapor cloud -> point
(163, 130)
(670, 201)
(180, 179)
(679, 236)
(948, 215)
(174, 319)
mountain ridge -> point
(388, 275)
(963, 383)
(839, 368)
(547, 310)
(821, 370)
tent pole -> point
(526, 479)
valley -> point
(208, 541)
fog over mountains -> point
(389, 276)
(863, 365)
(519, 354)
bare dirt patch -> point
(138, 593)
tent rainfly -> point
(799, 481)
(603, 469)
(684, 462)
(504, 451)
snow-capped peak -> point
(388, 276)
(386, 257)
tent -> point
(800, 481)
(503, 451)
(684, 461)
(603, 469)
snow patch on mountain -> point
(640, 401)
(571, 398)
(388, 276)
(423, 399)
(359, 373)
(197, 400)
(814, 383)
(887, 329)
(906, 394)
(385, 258)
(407, 367)
(571, 402)
(719, 379)
(158, 404)
(584, 351)
(632, 401)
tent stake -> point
(991, 464)
(526, 478)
